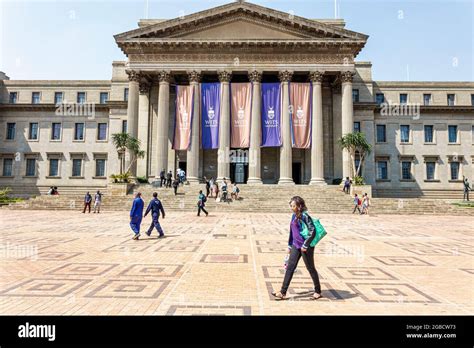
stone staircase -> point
(264, 198)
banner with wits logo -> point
(183, 117)
(271, 114)
(210, 115)
(241, 110)
(300, 110)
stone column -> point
(192, 156)
(255, 130)
(317, 141)
(132, 112)
(223, 168)
(163, 122)
(347, 118)
(143, 126)
(286, 175)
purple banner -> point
(271, 116)
(210, 111)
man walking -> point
(467, 188)
(208, 187)
(155, 207)
(356, 204)
(162, 178)
(347, 186)
(87, 202)
(97, 202)
(168, 178)
(175, 185)
(201, 203)
(136, 215)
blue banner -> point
(271, 115)
(210, 111)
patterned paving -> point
(228, 264)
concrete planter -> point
(361, 189)
(119, 189)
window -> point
(428, 134)
(53, 167)
(426, 99)
(76, 167)
(104, 97)
(430, 170)
(11, 131)
(102, 131)
(33, 131)
(100, 167)
(406, 170)
(124, 126)
(382, 170)
(58, 97)
(453, 134)
(81, 97)
(125, 94)
(357, 127)
(7, 167)
(79, 131)
(35, 98)
(405, 133)
(451, 99)
(355, 95)
(472, 99)
(13, 97)
(403, 98)
(31, 167)
(454, 170)
(56, 131)
(379, 98)
(381, 133)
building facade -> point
(58, 133)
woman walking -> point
(299, 247)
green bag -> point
(320, 231)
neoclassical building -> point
(422, 133)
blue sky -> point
(418, 40)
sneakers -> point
(136, 236)
(161, 236)
(148, 233)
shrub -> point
(358, 180)
(142, 179)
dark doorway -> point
(297, 173)
(182, 165)
(239, 173)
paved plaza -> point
(68, 263)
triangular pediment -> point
(240, 20)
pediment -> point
(240, 20)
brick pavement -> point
(70, 263)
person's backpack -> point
(320, 230)
(237, 190)
(204, 199)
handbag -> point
(320, 231)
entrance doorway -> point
(296, 173)
(239, 172)
(181, 165)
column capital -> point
(347, 76)
(316, 76)
(144, 87)
(133, 75)
(285, 76)
(255, 76)
(224, 76)
(194, 76)
(164, 76)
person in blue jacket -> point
(136, 215)
(155, 207)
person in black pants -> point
(299, 247)
(162, 178)
(168, 179)
(201, 203)
(175, 185)
(208, 187)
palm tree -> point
(123, 142)
(120, 141)
(356, 143)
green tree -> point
(124, 142)
(356, 143)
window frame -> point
(100, 97)
(60, 132)
(29, 138)
(16, 93)
(35, 174)
(383, 98)
(376, 134)
(433, 134)
(430, 101)
(106, 132)
(7, 129)
(454, 100)
(457, 142)
(409, 141)
(39, 97)
(75, 139)
(4, 158)
(85, 98)
(62, 98)
(400, 99)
